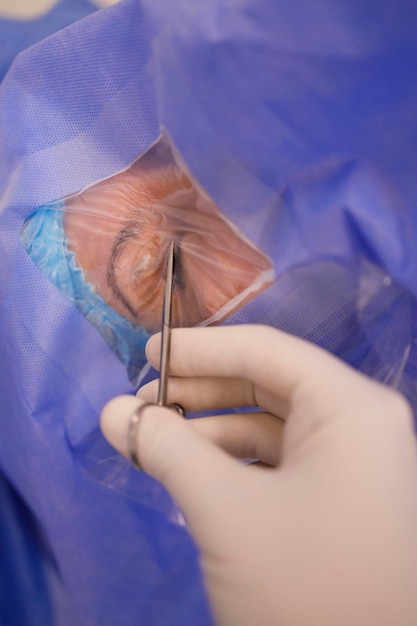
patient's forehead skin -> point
(120, 230)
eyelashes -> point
(129, 232)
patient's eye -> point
(118, 232)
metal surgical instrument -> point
(166, 327)
(166, 333)
(164, 362)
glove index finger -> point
(283, 364)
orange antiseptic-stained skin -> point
(151, 207)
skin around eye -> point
(120, 231)
(94, 219)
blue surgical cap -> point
(45, 241)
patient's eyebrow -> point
(130, 231)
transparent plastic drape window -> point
(105, 249)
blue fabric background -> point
(18, 34)
(300, 120)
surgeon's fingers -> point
(200, 476)
(251, 435)
(200, 394)
(244, 435)
(213, 393)
(292, 369)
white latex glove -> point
(329, 536)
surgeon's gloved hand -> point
(326, 538)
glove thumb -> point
(199, 476)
